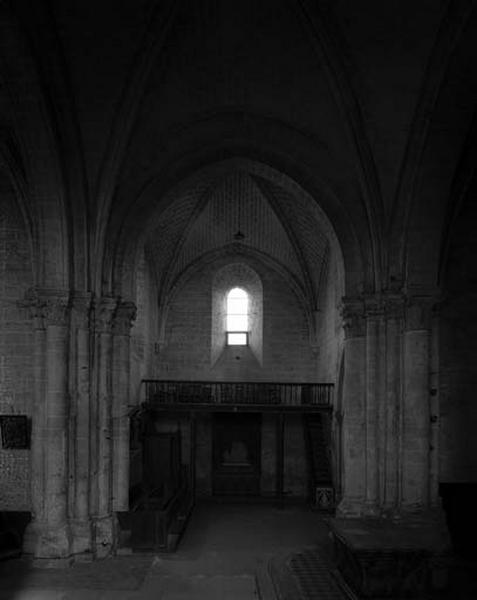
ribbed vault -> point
(246, 211)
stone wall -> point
(16, 356)
(144, 333)
(287, 353)
(295, 474)
(329, 335)
(458, 353)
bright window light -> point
(237, 339)
(237, 317)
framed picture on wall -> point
(15, 432)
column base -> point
(81, 536)
(46, 541)
(349, 508)
(104, 536)
(371, 510)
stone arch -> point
(354, 274)
(432, 165)
(32, 151)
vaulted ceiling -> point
(106, 106)
(241, 210)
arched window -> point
(237, 317)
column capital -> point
(394, 303)
(48, 307)
(123, 318)
(104, 309)
(353, 314)
(35, 308)
(374, 306)
(82, 305)
(418, 312)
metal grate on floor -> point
(313, 577)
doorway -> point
(236, 454)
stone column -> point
(373, 400)
(125, 314)
(434, 499)
(101, 429)
(353, 411)
(57, 314)
(415, 408)
(394, 314)
(37, 525)
(48, 535)
(80, 465)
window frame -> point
(229, 332)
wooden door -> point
(236, 454)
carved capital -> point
(57, 310)
(353, 315)
(124, 317)
(419, 312)
(395, 304)
(82, 305)
(48, 307)
(374, 307)
(35, 308)
(104, 310)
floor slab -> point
(224, 545)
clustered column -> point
(49, 533)
(387, 461)
(80, 424)
(33, 534)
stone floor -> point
(224, 548)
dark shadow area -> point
(13, 569)
(12, 528)
(459, 501)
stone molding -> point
(414, 312)
(104, 309)
(124, 317)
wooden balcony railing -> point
(221, 393)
